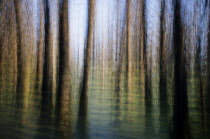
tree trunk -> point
(40, 46)
(89, 44)
(180, 96)
(129, 44)
(51, 50)
(63, 96)
(26, 31)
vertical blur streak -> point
(129, 54)
(122, 50)
(51, 51)
(208, 71)
(8, 62)
(129, 44)
(46, 92)
(49, 85)
(63, 95)
(27, 48)
(180, 97)
(82, 129)
(162, 65)
(142, 45)
(153, 47)
(162, 86)
(40, 46)
(194, 79)
(88, 47)
(166, 64)
(83, 100)
(148, 99)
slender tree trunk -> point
(146, 63)
(129, 44)
(89, 44)
(163, 99)
(40, 46)
(207, 101)
(19, 39)
(180, 96)
(46, 106)
(122, 53)
(142, 45)
(163, 95)
(83, 101)
(49, 87)
(47, 81)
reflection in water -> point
(105, 69)
(82, 117)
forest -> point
(105, 69)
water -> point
(144, 75)
(107, 112)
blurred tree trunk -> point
(63, 96)
(51, 8)
(88, 47)
(27, 44)
(129, 44)
(142, 45)
(8, 53)
(207, 101)
(47, 81)
(162, 54)
(19, 39)
(40, 46)
(180, 97)
(122, 52)
(83, 101)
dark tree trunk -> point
(162, 86)
(207, 101)
(47, 81)
(17, 11)
(180, 128)
(50, 75)
(83, 100)
(88, 47)
(63, 95)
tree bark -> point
(180, 96)
(63, 96)
(88, 47)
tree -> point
(129, 43)
(180, 96)
(26, 38)
(82, 115)
(63, 95)
(50, 75)
(40, 45)
(8, 55)
(89, 44)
